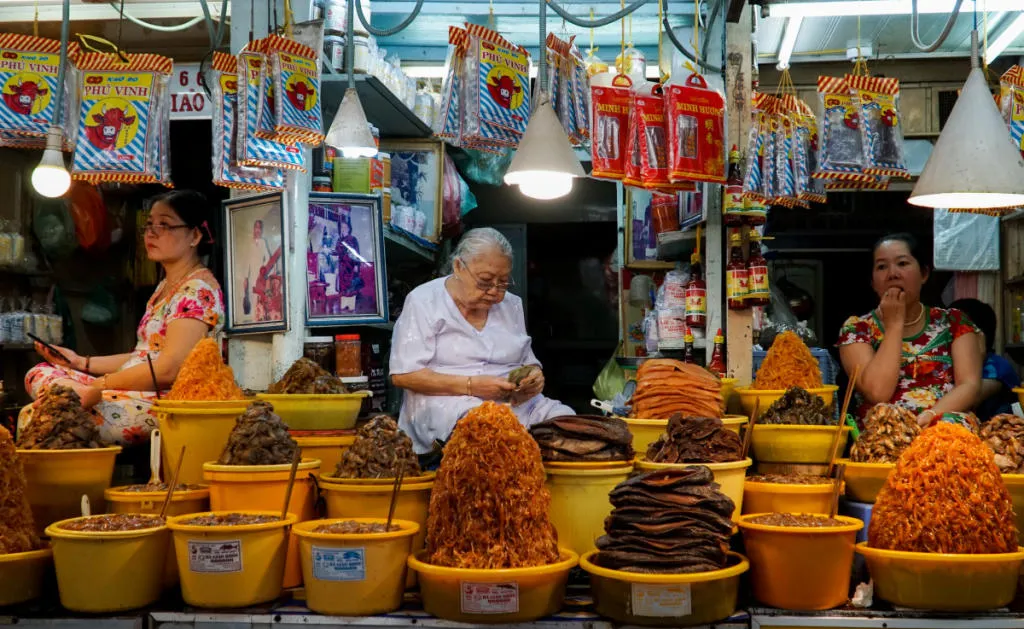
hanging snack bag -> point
(785, 176)
(753, 179)
(28, 82)
(1012, 104)
(696, 132)
(842, 145)
(295, 74)
(881, 132)
(811, 190)
(448, 123)
(497, 103)
(649, 104)
(634, 146)
(580, 94)
(122, 114)
(769, 174)
(611, 106)
(555, 50)
(252, 150)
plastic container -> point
(262, 488)
(204, 430)
(488, 596)
(735, 422)
(328, 449)
(22, 575)
(749, 397)
(665, 600)
(944, 582)
(56, 480)
(108, 571)
(348, 355)
(247, 569)
(865, 480)
(645, 432)
(800, 568)
(579, 503)
(151, 502)
(784, 498)
(729, 476)
(782, 443)
(354, 574)
(314, 411)
(728, 389)
(320, 349)
(330, 479)
(1015, 485)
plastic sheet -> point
(965, 242)
(28, 86)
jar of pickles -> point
(348, 355)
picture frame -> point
(417, 182)
(346, 274)
(641, 239)
(255, 269)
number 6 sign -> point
(189, 100)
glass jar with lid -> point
(348, 355)
(320, 349)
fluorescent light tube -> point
(854, 8)
(789, 41)
(1007, 37)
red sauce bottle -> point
(757, 267)
(732, 199)
(736, 274)
(717, 363)
(688, 356)
(696, 296)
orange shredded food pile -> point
(204, 376)
(17, 531)
(489, 506)
(789, 363)
(945, 495)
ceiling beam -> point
(20, 11)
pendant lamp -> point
(350, 131)
(544, 164)
(51, 177)
(973, 163)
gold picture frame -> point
(417, 182)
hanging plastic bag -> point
(497, 89)
(100, 307)
(813, 190)
(878, 99)
(251, 149)
(785, 177)
(611, 106)
(579, 91)
(28, 84)
(650, 107)
(696, 131)
(611, 380)
(90, 216)
(448, 125)
(634, 144)
(55, 228)
(1012, 104)
(294, 70)
(842, 145)
(753, 179)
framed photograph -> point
(255, 271)
(346, 281)
(641, 237)
(417, 186)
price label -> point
(490, 598)
(215, 557)
(189, 100)
(661, 601)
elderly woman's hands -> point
(530, 386)
(491, 388)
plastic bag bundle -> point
(881, 131)
(496, 90)
(653, 137)
(250, 149)
(842, 145)
(809, 190)
(1012, 104)
(448, 124)
(753, 178)
(568, 82)
(124, 119)
(226, 171)
(785, 176)
(610, 107)
(28, 84)
(294, 77)
(696, 132)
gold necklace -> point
(917, 319)
(177, 283)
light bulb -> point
(542, 184)
(49, 179)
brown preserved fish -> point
(888, 431)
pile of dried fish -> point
(17, 529)
(695, 440)
(259, 438)
(307, 377)
(888, 431)
(352, 527)
(805, 520)
(665, 387)
(60, 423)
(380, 450)
(789, 479)
(583, 438)
(115, 522)
(798, 407)
(667, 521)
(1005, 435)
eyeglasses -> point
(158, 229)
(487, 287)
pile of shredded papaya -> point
(204, 376)
(489, 505)
(17, 530)
(945, 495)
(667, 387)
(789, 363)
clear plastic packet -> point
(649, 103)
(580, 95)
(814, 188)
(634, 145)
(842, 145)
(1012, 104)
(769, 167)
(594, 64)
(785, 176)
(250, 149)
(696, 131)
(497, 89)
(753, 178)
(295, 76)
(28, 76)
(121, 118)
(448, 123)
(878, 99)
(611, 106)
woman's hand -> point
(491, 388)
(893, 309)
(926, 417)
(531, 386)
(74, 361)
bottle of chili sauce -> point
(717, 363)
(696, 296)
(736, 275)
(732, 211)
(757, 267)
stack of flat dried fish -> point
(381, 450)
(888, 430)
(60, 423)
(583, 438)
(259, 438)
(307, 377)
(695, 440)
(1005, 435)
(798, 407)
(667, 521)
(665, 387)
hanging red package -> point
(650, 108)
(633, 176)
(696, 132)
(611, 106)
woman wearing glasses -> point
(457, 340)
(186, 306)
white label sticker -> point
(662, 601)
(339, 564)
(223, 556)
(490, 598)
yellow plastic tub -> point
(58, 478)
(749, 397)
(782, 443)
(585, 465)
(200, 405)
(204, 431)
(22, 575)
(151, 502)
(1015, 485)
(784, 498)
(665, 600)
(355, 574)
(645, 432)
(729, 476)
(108, 571)
(865, 480)
(801, 568)
(493, 596)
(231, 566)
(262, 488)
(944, 582)
(735, 423)
(317, 412)
(328, 449)
(1020, 395)
(579, 503)
(728, 390)
(425, 477)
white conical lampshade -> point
(544, 164)
(350, 131)
(974, 164)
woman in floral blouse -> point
(186, 306)
(929, 363)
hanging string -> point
(288, 18)
(35, 20)
(592, 49)
(860, 66)
(120, 23)
(696, 25)
(86, 42)
(621, 62)
(252, 20)
(490, 16)
(984, 43)
(662, 76)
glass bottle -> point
(757, 268)
(736, 274)
(732, 199)
(696, 296)
(717, 363)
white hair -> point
(478, 241)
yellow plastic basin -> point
(56, 480)
(354, 574)
(200, 405)
(665, 600)
(1015, 485)
(425, 477)
(728, 389)
(231, 566)
(262, 488)
(944, 582)
(493, 596)
(151, 502)
(729, 476)
(645, 432)
(317, 412)
(204, 431)
(801, 568)
(108, 571)
(735, 422)
(865, 480)
(785, 498)
(781, 443)
(328, 449)
(579, 503)
(749, 397)
(22, 575)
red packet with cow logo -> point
(123, 118)
(28, 84)
(1012, 104)
(696, 132)
(250, 148)
(295, 74)
(610, 106)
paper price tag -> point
(339, 564)
(490, 598)
(661, 601)
(223, 556)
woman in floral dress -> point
(929, 363)
(186, 307)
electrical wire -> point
(210, 30)
(163, 29)
(65, 30)
(595, 23)
(914, 23)
(387, 32)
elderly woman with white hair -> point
(458, 339)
